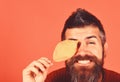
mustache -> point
(86, 57)
(92, 58)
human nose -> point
(81, 49)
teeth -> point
(84, 61)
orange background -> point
(30, 29)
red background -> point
(30, 29)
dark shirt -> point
(61, 75)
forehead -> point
(82, 32)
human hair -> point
(81, 18)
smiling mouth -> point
(84, 62)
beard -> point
(84, 73)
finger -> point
(32, 71)
(45, 59)
(39, 66)
(45, 63)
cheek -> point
(97, 51)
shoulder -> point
(111, 76)
(59, 75)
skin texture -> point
(90, 43)
(37, 70)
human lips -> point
(84, 62)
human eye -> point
(91, 42)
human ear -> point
(105, 48)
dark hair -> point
(80, 19)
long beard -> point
(85, 74)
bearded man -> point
(86, 64)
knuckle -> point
(24, 70)
(34, 61)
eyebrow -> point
(89, 37)
(72, 39)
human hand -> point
(37, 70)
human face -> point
(90, 44)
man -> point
(86, 65)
